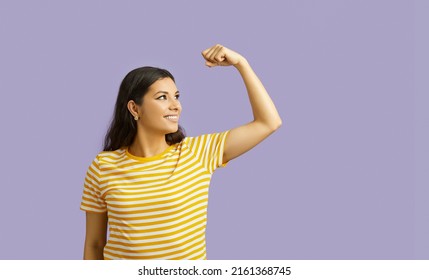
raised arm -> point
(266, 119)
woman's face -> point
(161, 108)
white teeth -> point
(171, 117)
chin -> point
(169, 131)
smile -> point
(172, 117)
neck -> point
(147, 144)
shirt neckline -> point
(152, 158)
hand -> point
(219, 55)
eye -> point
(177, 96)
(162, 97)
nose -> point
(175, 105)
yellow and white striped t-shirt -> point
(157, 206)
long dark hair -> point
(134, 86)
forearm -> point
(263, 108)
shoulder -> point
(109, 156)
(204, 139)
(207, 135)
(192, 140)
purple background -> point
(346, 176)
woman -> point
(150, 184)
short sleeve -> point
(209, 149)
(91, 197)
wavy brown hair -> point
(134, 86)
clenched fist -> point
(219, 55)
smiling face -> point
(160, 109)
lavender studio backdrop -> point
(344, 178)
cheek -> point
(153, 110)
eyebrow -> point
(161, 91)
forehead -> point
(164, 84)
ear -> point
(133, 108)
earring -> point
(136, 118)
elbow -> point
(93, 253)
(279, 123)
(269, 127)
(276, 124)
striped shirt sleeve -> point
(209, 150)
(91, 197)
